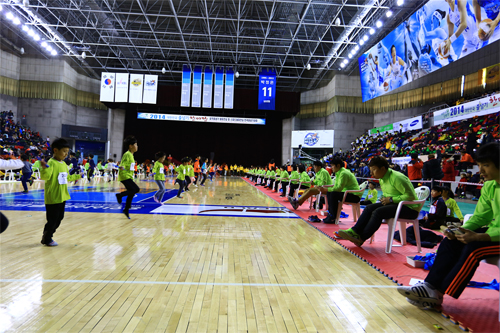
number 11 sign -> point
(267, 89)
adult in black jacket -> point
(471, 142)
(432, 169)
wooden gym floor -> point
(189, 273)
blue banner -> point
(186, 86)
(229, 89)
(219, 87)
(267, 89)
(426, 42)
(207, 87)
(196, 98)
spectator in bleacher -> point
(486, 137)
(415, 168)
(448, 165)
(432, 169)
(396, 187)
(460, 253)
(466, 161)
(471, 142)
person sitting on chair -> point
(322, 177)
(459, 254)
(344, 181)
(396, 187)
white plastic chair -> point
(422, 194)
(319, 195)
(356, 206)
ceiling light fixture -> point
(308, 67)
(401, 2)
(342, 65)
(163, 70)
(350, 55)
(372, 31)
(237, 74)
(389, 13)
(361, 42)
(84, 55)
(9, 16)
(25, 28)
(44, 44)
(36, 37)
(379, 24)
(365, 38)
(53, 52)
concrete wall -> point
(385, 118)
(340, 85)
(116, 128)
(9, 67)
(287, 128)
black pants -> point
(132, 189)
(366, 202)
(456, 262)
(182, 184)
(452, 219)
(204, 178)
(187, 181)
(293, 187)
(433, 222)
(276, 185)
(74, 170)
(271, 183)
(283, 187)
(54, 214)
(372, 216)
(25, 179)
(90, 174)
(335, 197)
(4, 223)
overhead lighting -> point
(1, 8)
(389, 13)
(356, 48)
(401, 2)
(308, 67)
(163, 70)
(379, 24)
(49, 48)
(9, 16)
(44, 44)
(354, 51)
(346, 61)
(365, 38)
(350, 56)
(16, 21)
(361, 42)
(31, 32)
(53, 52)
(25, 28)
(372, 31)
(84, 55)
(36, 37)
(342, 65)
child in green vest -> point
(56, 176)
(126, 174)
(372, 195)
(159, 176)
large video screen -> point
(439, 33)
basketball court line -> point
(299, 285)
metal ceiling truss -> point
(144, 36)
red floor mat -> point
(475, 310)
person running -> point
(55, 174)
(159, 176)
(204, 171)
(126, 174)
(181, 175)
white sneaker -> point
(423, 292)
(425, 305)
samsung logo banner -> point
(202, 119)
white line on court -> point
(204, 283)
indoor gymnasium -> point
(249, 166)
